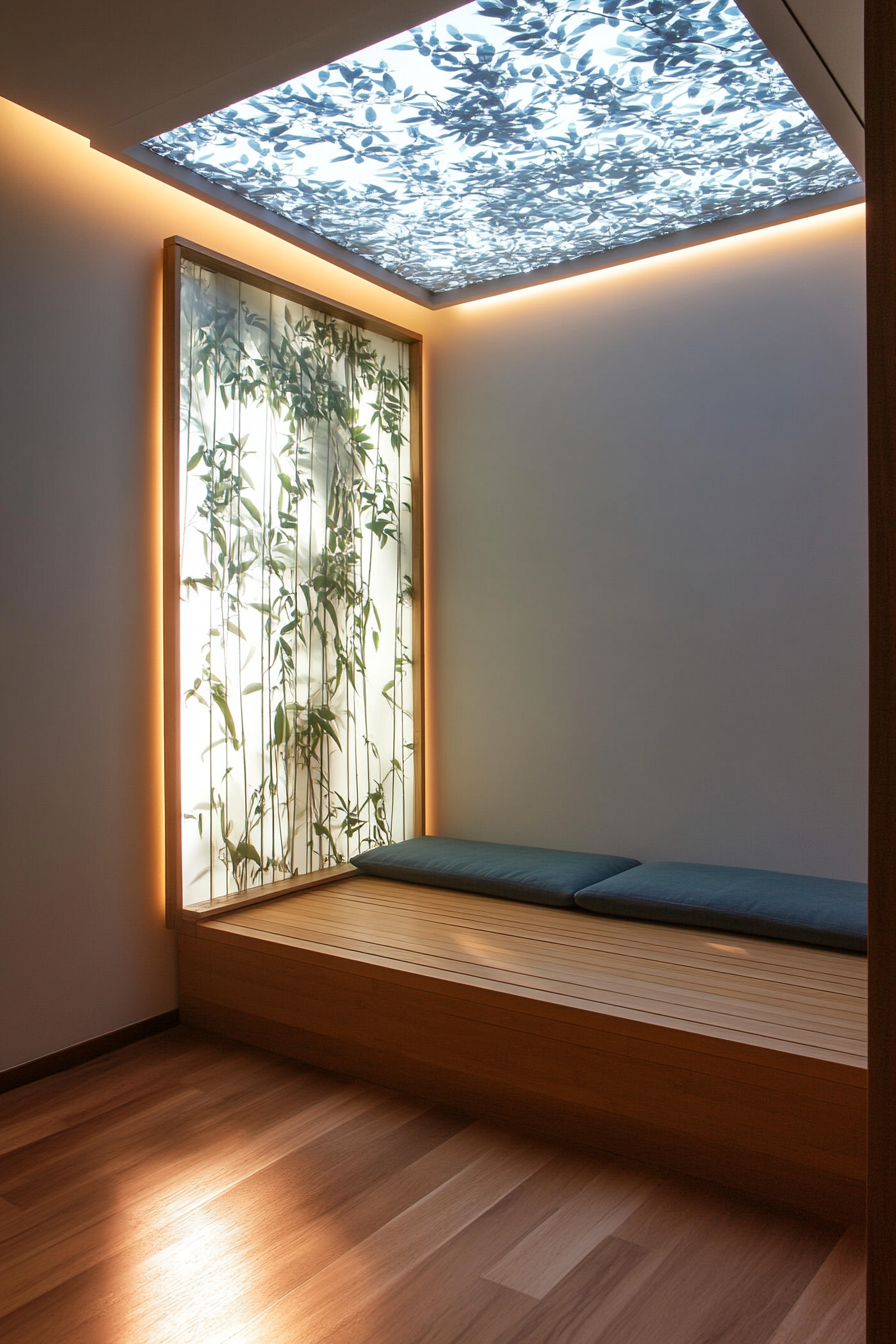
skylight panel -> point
(504, 137)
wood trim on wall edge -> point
(880, 116)
(171, 579)
(271, 891)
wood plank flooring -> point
(191, 1189)
(738, 1060)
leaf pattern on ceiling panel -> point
(503, 137)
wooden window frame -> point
(177, 250)
(880, 114)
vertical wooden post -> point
(171, 577)
(418, 582)
(880, 105)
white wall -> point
(648, 588)
(83, 946)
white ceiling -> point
(119, 71)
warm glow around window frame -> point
(176, 252)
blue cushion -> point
(516, 872)
(818, 910)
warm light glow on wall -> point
(735, 250)
(107, 193)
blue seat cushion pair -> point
(815, 910)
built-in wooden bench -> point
(736, 1059)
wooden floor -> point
(732, 1058)
(193, 1190)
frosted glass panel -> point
(503, 137)
(295, 613)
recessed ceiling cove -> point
(505, 137)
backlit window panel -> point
(505, 137)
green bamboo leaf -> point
(248, 851)
(281, 726)
(220, 700)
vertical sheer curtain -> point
(295, 618)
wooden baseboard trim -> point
(73, 1055)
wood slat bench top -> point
(780, 996)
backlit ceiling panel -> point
(504, 137)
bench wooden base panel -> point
(778, 1126)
